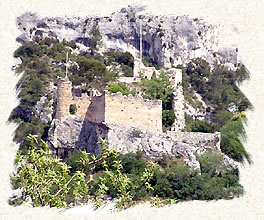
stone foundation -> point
(75, 133)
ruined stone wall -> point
(82, 103)
(65, 99)
(154, 144)
(133, 111)
(128, 79)
(205, 140)
(150, 72)
(140, 68)
(96, 111)
(74, 133)
(178, 99)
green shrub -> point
(221, 117)
(178, 182)
(125, 59)
(211, 162)
(136, 133)
(73, 160)
(198, 125)
(121, 87)
(232, 135)
(132, 164)
(202, 126)
(168, 118)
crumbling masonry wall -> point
(110, 108)
(65, 99)
(133, 111)
(180, 144)
(177, 99)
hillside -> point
(102, 51)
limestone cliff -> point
(75, 133)
(166, 40)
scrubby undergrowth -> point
(128, 178)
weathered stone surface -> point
(75, 133)
(167, 40)
(44, 107)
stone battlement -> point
(133, 111)
(65, 99)
(114, 108)
(130, 97)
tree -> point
(49, 181)
(232, 135)
(45, 179)
(90, 71)
(95, 38)
(211, 162)
(158, 88)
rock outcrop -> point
(166, 40)
(75, 133)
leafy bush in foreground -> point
(126, 177)
(178, 182)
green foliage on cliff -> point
(127, 177)
(158, 88)
(125, 59)
(95, 38)
(121, 87)
(198, 126)
(218, 87)
(232, 137)
(178, 182)
(91, 72)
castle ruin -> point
(126, 111)
(116, 117)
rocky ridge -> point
(74, 133)
(167, 40)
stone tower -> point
(64, 97)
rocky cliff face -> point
(166, 40)
(74, 133)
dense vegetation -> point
(219, 89)
(121, 87)
(91, 72)
(126, 177)
(43, 60)
(37, 74)
(158, 88)
(124, 59)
